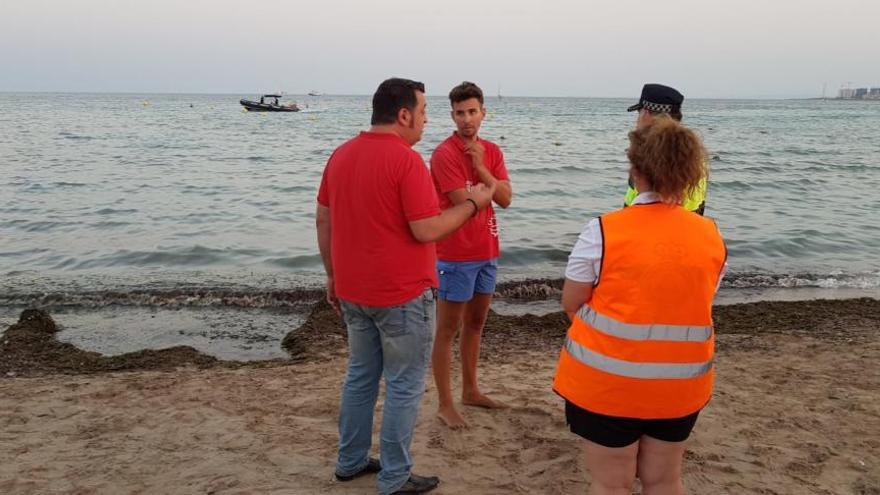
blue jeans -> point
(395, 342)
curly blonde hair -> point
(669, 156)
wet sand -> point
(796, 410)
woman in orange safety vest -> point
(637, 364)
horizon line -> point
(169, 93)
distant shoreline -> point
(875, 100)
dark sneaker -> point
(372, 466)
(419, 484)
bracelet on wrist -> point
(476, 208)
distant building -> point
(859, 94)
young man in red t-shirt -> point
(377, 221)
(467, 259)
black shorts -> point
(614, 432)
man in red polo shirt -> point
(467, 259)
(377, 220)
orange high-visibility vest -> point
(643, 345)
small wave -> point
(834, 280)
(109, 225)
(311, 261)
(23, 252)
(733, 185)
(796, 245)
(19, 209)
(197, 256)
(750, 153)
(762, 169)
(204, 190)
(551, 171)
(49, 226)
(528, 256)
(801, 151)
(76, 137)
(112, 211)
(69, 184)
(292, 189)
(168, 146)
(553, 193)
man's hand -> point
(475, 150)
(482, 194)
(331, 296)
(435, 228)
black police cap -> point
(658, 98)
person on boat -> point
(377, 221)
(657, 100)
(637, 365)
(467, 260)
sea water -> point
(187, 200)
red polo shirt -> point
(374, 185)
(453, 169)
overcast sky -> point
(722, 49)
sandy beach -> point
(795, 411)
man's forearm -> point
(503, 192)
(453, 218)
(485, 176)
(324, 248)
(436, 228)
(324, 232)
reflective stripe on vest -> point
(632, 331)
(635, 370)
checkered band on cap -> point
(656, 107)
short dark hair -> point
(465, 91)
(392, 95)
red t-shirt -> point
(374, 185)
(453, 169)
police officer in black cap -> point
(658, 99)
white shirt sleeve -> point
(723, 268)
(585, 259)
(721, 276)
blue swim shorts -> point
(460, 280)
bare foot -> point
(451, 418)
(480, 400)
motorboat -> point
(268, 103)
